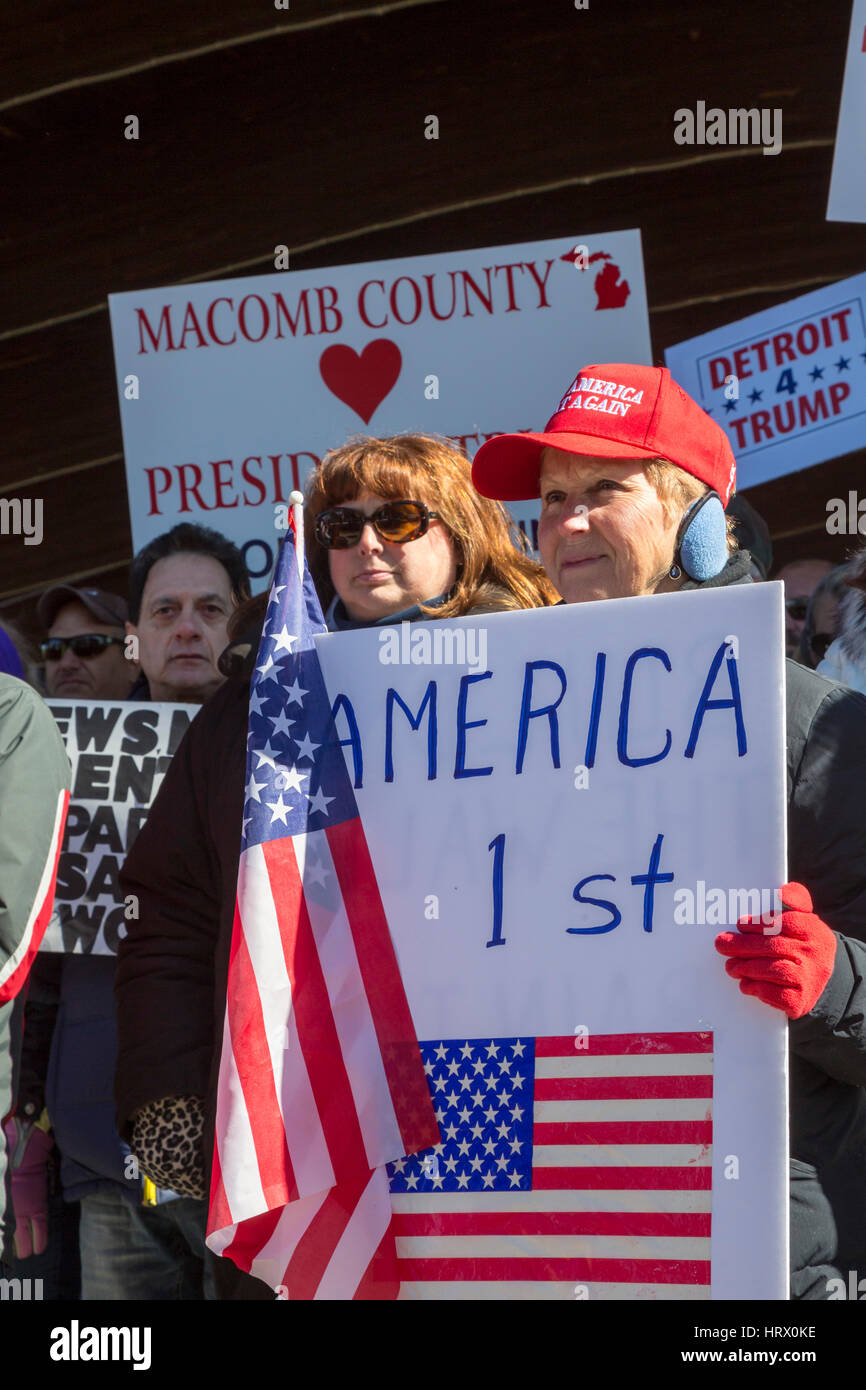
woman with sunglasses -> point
(395, 531)
(844, 657)
(821, 619)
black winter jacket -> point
(826, 778)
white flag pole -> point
(297, 501)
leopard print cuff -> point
(167, 1141)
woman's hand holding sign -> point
(788, 964)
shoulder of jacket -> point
(18, 699)
(810, 701)
(226, 710)
(28, 727)
(807, 691)
(12, 688)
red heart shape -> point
(361, 382)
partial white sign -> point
(848, 184)
(231, 391)
(787, 385)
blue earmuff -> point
(702, 540)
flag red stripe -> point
(625, 1044)
(249, 1238)
(219, 1211)
(381, 1280)
(383, 984)
(252, 1055)
(317, 1033)
(625, 1132)
(560, 1223)
(601, 1271)
(611, 1179)
(623, 1087)
(315, 1249)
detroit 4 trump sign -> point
(563, 808)
(231, 391)
(788, 385)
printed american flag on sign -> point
(321, 1081)
(567, 1167)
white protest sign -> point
(120, 753)
(847, 201)
(559, 827)
(230, 391)
(787, 385)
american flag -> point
(321, 1080)
(567, 1167)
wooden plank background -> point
(305, 126)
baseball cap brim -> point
(105, 607)
(508, 466)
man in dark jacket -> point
(184, 586)
(172, 989)
(633, 477)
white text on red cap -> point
(610, 397)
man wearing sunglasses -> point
(84, 652)
(800, 578)
(183, 587)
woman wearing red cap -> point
(633, 478)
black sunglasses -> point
(85, 645)
(796, 608)
(339, 528)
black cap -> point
(105, 607)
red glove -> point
(28, 1148)
(788, 963)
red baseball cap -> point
(613, 410)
